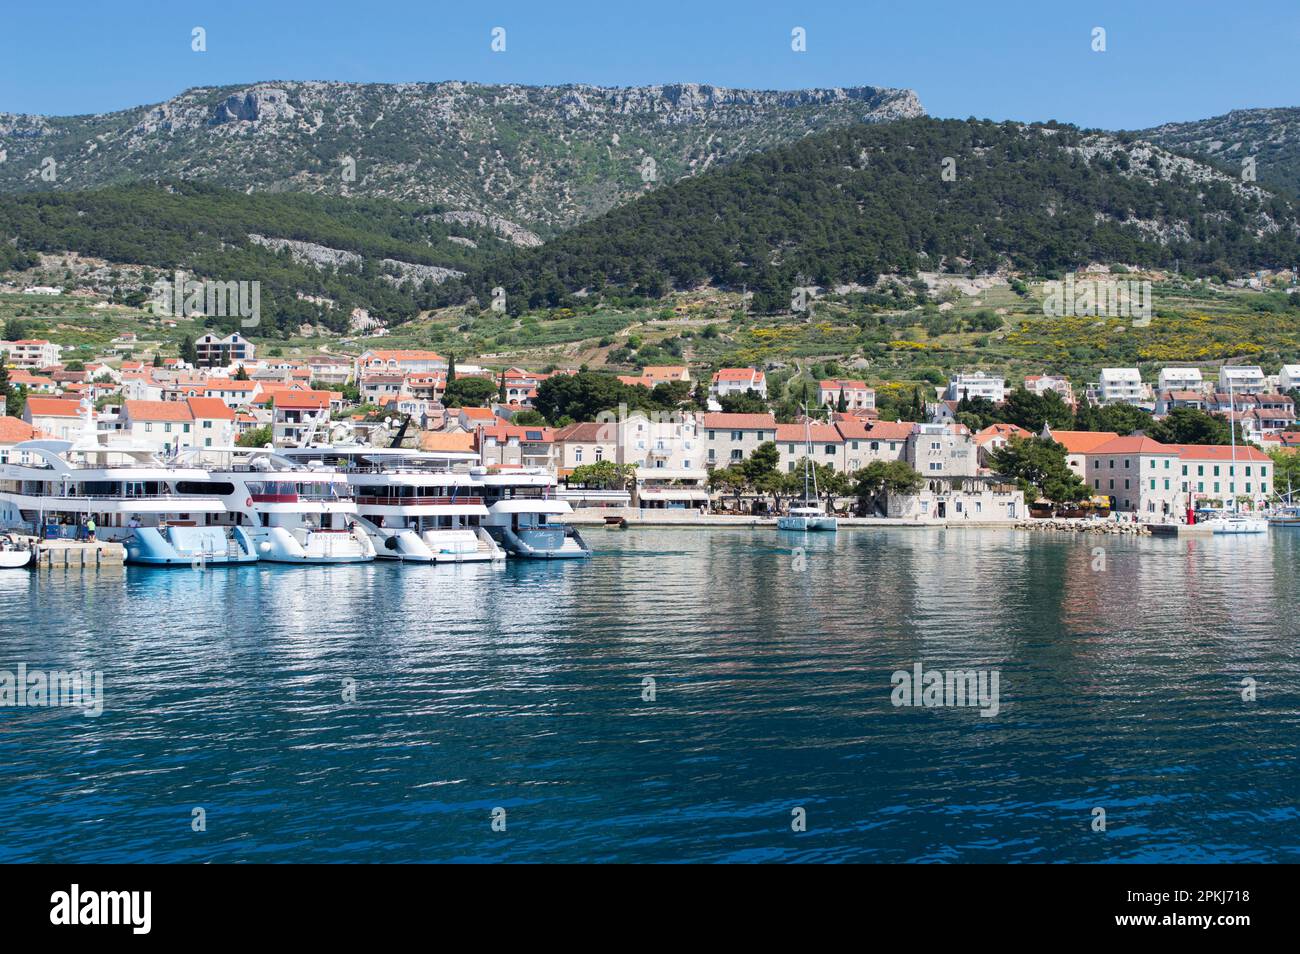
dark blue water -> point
(521, 688)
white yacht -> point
(418, 507)
(521, 504)
(295, 514)
(165, 515)
(807, 515)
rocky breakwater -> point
(1085, 526)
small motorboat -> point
(1239, 523)
(14, 555)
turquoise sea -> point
(385, 712)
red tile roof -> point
(1219, 452)
(817, 433)
(156, 411)
(1133, 444)
(15, 431)
(1000, 430)
(210, 408)
(740, 422)
(890, 430)
(53, 407)
(1081, 442)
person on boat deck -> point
(134, 522)
(90, 529)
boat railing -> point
(372, 501)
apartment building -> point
(730, 438)
(977, 385)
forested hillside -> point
(852, 204)
(370, 253)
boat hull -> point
(194, 547)
(807, 524)
(1234, 527)
(15, 559)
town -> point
(665, 443)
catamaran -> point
(807, 515)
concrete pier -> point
(52, 553)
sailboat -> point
(1236, 521)
(807, 515)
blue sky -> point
(1164, 60)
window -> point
(830, 448)
(712, 435)
(577, 455)
(600, 453)
(737, 454)
(735, 436)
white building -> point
(857, 396)
(1181, 379)
(32, 353)
(214, 352)
(976, 385)
(1040, 384)
(1242, 379)
(738, 381)
(1289, 377)
(1121, 386)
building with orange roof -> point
(857, 396)
(509, 445)
(827, 445)
(1159, 482)
(57, 417)
(663, 373)
(997, 435)
(13, 431)
(730, 438)
(400, 360)
(1077, 444)
(737, 381)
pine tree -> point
(6, 391)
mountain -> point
(537, 158)
(1271, 136)
(852, 204)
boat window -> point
(205, 488)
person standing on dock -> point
(90, 529)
